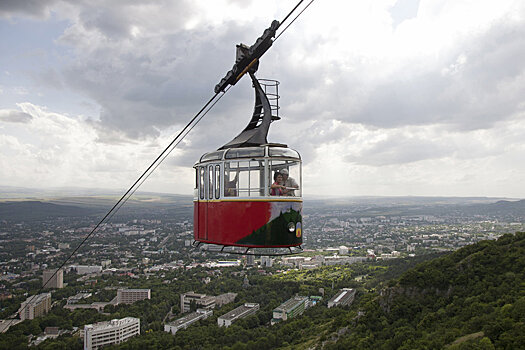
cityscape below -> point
(144, 256)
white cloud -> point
(421, 160)
(55, 150)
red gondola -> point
(234, 203)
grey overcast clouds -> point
(383, 97)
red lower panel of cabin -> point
(248, 223)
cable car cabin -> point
(234, 204)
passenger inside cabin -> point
(277, 188)
(230, 187)
(289, 183)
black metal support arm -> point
(247, 59)
(256, 132)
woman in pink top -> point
(277, 188)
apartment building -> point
(50, 280)
(289, 309)
(35, 306)
(130, 296)
(85, 270)
(187, 320)
(242, 311)
(344, 297)
(202, 300)
(110, 332)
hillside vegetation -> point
(472, 298)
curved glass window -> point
(244, 178)
(196, 189)
(217, 155)
(283, 152)
(202, 171)
(217, 181)
(290, 178)
(231, 181)
(248, 152)
(211, 186)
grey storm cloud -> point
(115, 20)
(400, 149)
(32, 8)
(14, 116)
(151, 83)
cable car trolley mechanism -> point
(247, 196)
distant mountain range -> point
(12, 192)
(411, 206)
(36, 210)
(30, 204)
(22, 204)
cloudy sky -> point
(383, 97)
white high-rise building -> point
(110, 332)
(50, 280)
(250, 260)
(35, 306)
(266, 261)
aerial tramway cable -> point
(160, 158)
(281, 33)
(167, 151)
(182, 134)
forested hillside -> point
(472, 298)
